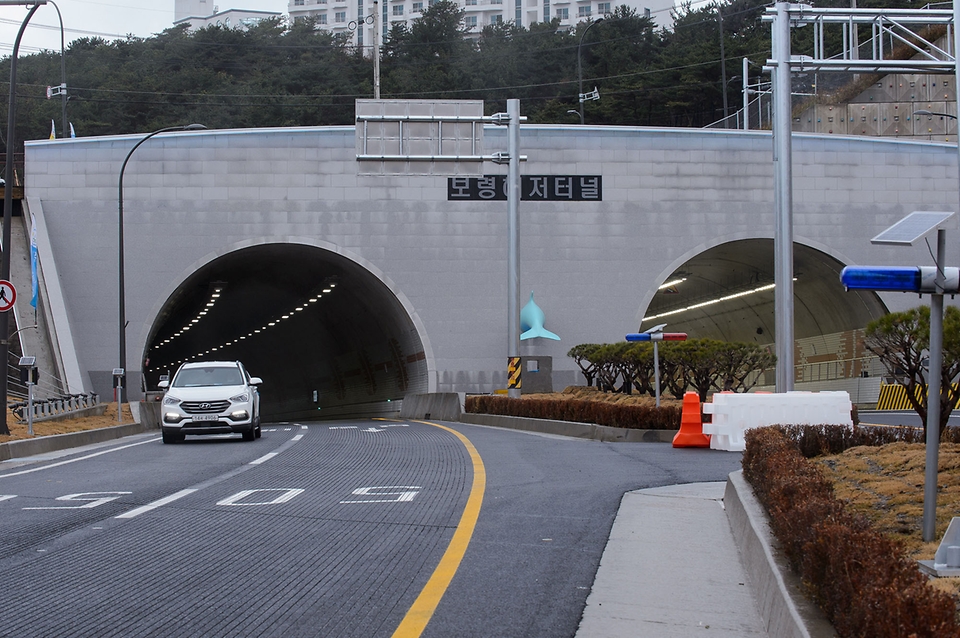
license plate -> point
(204, 417)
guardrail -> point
(54, 406)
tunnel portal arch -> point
(726, 292)
(326, 333)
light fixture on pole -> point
(576, 112)
(581, 96)
(8, 202)
(935, 280)
(120, 373)
(656, 334)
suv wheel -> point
(251, 434)
(170, 437)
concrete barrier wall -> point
(443, 406)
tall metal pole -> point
(746, 95)
(513, 236)
(783, 180)
(723, 71)
(580, 66)
(376, 50)
(8, 214)
(122, 288)
(63, 75)
(933, 396)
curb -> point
(784, 609)
(55, 442)
(591, 431)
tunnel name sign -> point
(533, 188)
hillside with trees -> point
(279, 74)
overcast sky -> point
(104, 18)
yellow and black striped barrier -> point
(894, 397)
(513, 373)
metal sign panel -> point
(419, 137)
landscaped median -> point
(64, 433)
(863, 579)
(581, 413)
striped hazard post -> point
(513, 373)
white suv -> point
(210, 397)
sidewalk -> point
(698, 558)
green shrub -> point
(862, 580)
(580, 411)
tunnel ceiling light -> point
(704, 304)
(671, 283)
(328, 287)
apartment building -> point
(341, 16)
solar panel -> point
(913, 227)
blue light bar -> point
(899, 278)
(657, 336)
(893, 278)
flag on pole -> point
(33, 261)
(53, 130)
(72, 132)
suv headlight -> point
(169, 400)
(240, 398)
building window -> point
(398, 9)
(341, 16)
(603, 8)
(584, 12)
(496, 19)
(470, 22)
(298, 3)
(470, 3)
(417, 7)
(563, 14)
(322, 18)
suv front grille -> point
(204, 407)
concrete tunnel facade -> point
(418, 303)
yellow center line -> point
(426, 603)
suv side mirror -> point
(163, 385)
(255, 380)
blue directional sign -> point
(899, 278)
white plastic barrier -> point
(733, 414)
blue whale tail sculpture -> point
(531, 322)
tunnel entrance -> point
(328, 338)
(727, 293)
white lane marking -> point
(297, 437)
(264, 458)
(80, 458)
(92, 499)
(303, 427)
(343, 427)
(285, 495)
(7, 497)
(158, 503)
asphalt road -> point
(321, 529)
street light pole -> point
(8, 205)
(122, 302)
(580, 65)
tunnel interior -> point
(327, 337)
(727, 293)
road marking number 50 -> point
(407, 494)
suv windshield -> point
(207, 376)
